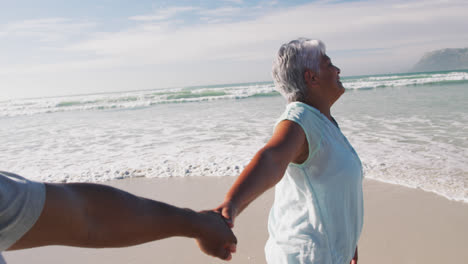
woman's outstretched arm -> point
(265, 170)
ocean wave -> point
(132, 100)
(139, 99)
(370, 82)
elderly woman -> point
(317, 214)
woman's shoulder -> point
(301, 111)
(308, 117)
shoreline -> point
(400, 225)
(399, 184)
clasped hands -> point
(215, 236)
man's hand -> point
(215, 237)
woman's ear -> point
(309, 77)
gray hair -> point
(290, 64)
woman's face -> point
(329, 79)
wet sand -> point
(401, 225)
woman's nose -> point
(338, 70)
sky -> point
(55, 47)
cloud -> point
(163, 14)
(222, 12)
(366, 36)
(57, 67)
(347, 25)
(45, 30)
(239, 2)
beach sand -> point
(401, 225)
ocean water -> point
(408, 129)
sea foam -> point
(414, 136)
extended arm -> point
(92, 215)
(288, 144)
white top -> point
(21, 203)
(317, 215)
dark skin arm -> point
(98, 216)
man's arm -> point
(92, 215)
(265, 170)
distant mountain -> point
(443, 60)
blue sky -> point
(70, 47)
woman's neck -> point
(320, 105)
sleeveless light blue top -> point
(317, 215)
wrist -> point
(183, 222)
(192, 223)
(233, 205)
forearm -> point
(288, 144)
(120, 219)
(90, 215)
(262, 173)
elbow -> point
(82, 221)
(83, 224)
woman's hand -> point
(229, 211)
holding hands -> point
(214, 237)
(228, 211)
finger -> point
(218, 210)
(229, 223)
(228, 216)
(234, 240)
(226, 221)
(233, 248)
(226, 213)
(224, 254)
